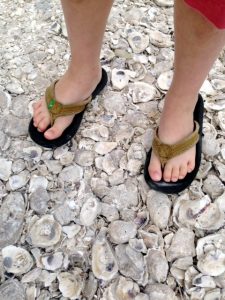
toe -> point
(154, 168)
(43, 124)
(175, 173)
(167, 172)
(59, 126)
(190, 166)
(183, 171)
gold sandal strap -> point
(57, 109)
(166, 152)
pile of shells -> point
(79, 221)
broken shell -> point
(44, 232)
(104, 264)
(143, 92)
(138, 42)
(16, 260)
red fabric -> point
(213, 10)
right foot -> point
(69, 90)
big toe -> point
(57, 129)
(154, 168)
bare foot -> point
(174, 126)
(71, 88)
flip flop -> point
(57, 109)
(165, 152)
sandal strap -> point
(165, 152)
(57, 109)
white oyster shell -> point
(138, 41)
(89, 211)
(201, 214)
(157, 265)
(211, 254)
(12, 289)
(159, 207)
(44, 232)
(5, 169)
(164, 80)
(71, 283)
(52, 261)
(165, 2)
(104, 264)
(121, 232)
(120, 78)
(143, 92)
(221, 119)
(160, 39)
(212, 263)
(16, 260)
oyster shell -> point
(201, 214)
(5, 169)
(160, 291)
(131, 264)
(12, 289)
(157, 265)
(120, 78)
(52, 261)
(12, 214)
(164, 80)
(16, 260)
(104, 264)
(182, 244)
(89, 211)
(138, 41)
(211, 254)
(159, 207)
(71, 283)
(44, 232)
(143, 92)
(221, 119)
(121, 232)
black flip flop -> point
(180, 185)
(70, 131)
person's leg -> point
(197, 45)
(86, 21)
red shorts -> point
(213, 10)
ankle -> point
(84, 70)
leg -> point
(197, 45)
(86, 21)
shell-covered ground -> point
(79, 222)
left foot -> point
(174, 126)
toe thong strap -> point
(166, 152)
(57, 109)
